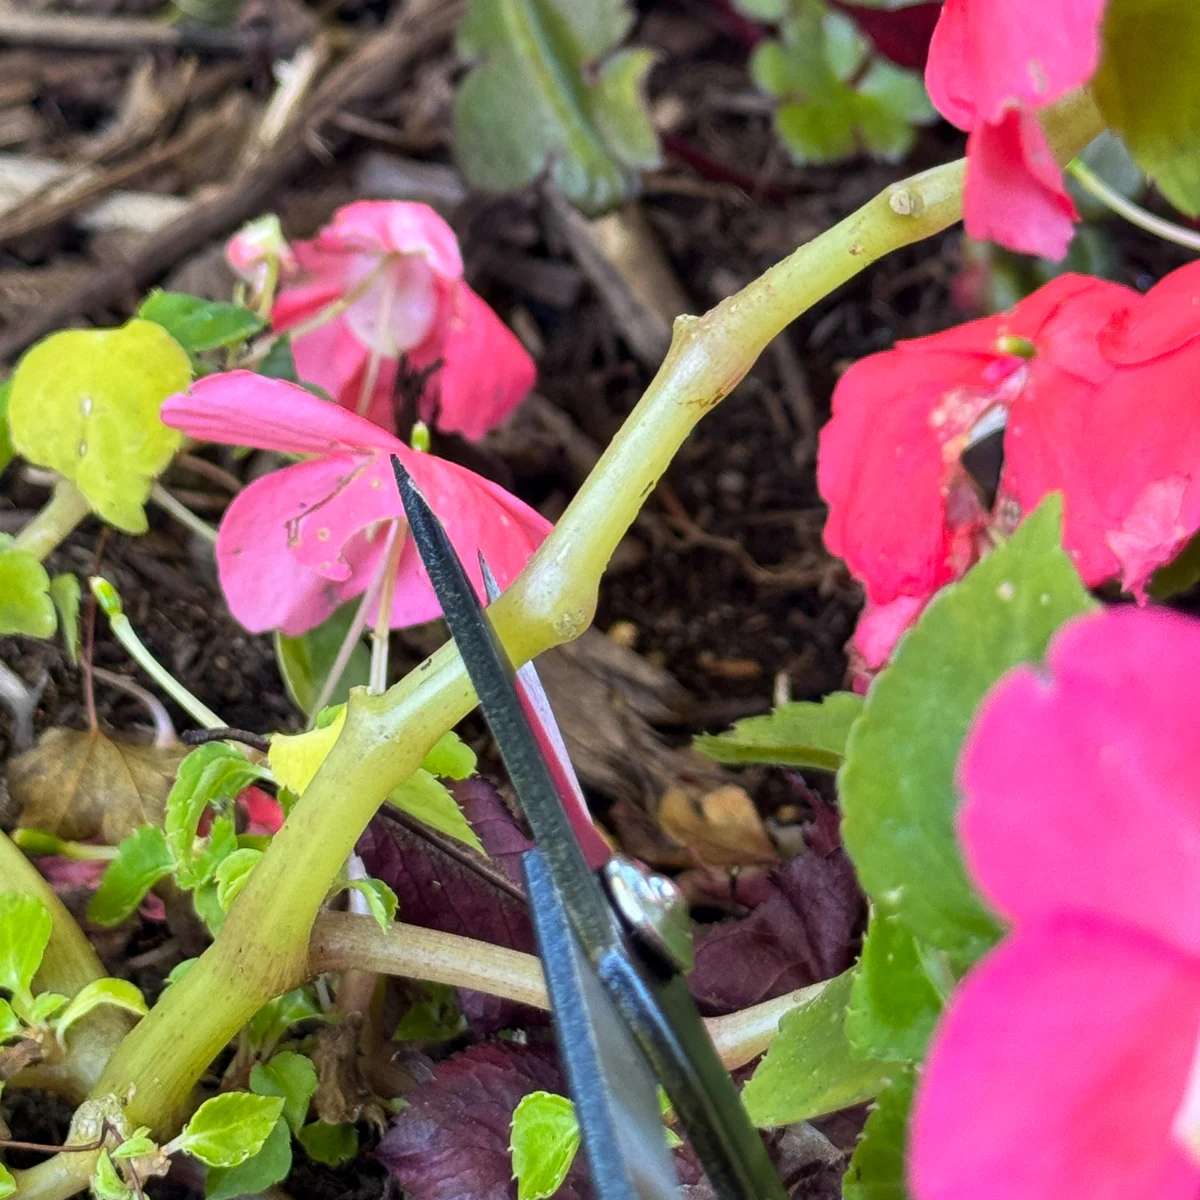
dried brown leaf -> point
(722, 827)
(86, 785)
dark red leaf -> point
(901, 34)
(804, 931)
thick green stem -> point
(54, 523)
(262, 948)
(68, 965)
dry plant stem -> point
(263, 946)
(54, 523)
(347, 943)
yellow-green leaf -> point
(295, 758)
(85, 402)
(25, 604)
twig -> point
(370, 71)
(198, 737)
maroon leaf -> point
(804, 931)
(451, 1141)
(901, 34)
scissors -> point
(614, 939)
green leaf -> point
(762, 10)
(433, 1020)
(230, 1128)
(551, 93)
(11, 1026)
(222, 842)
(6, 447)
(895, 1001)
(143, 858)
(8, 1185)
(136, 1145)
(233, 874)
(64, 591)
(212, 774)
(451, 758)
(199, 325)
(25, 604)
(85, 402)
(279, 362)
(810, 1067)
(275, 1017)
(428, 800)
(270, 1165)
(1146, 89)
(290, 1076)
(835, 100)
(44, 1006)
(329, 1144)
(25, 929)
(305, 661)
(897, 785)
(544, 1141)
(381, 900)
(801, 734)
(107, 1183)
(876, 1171)
(119, 993)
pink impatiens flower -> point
(299, 542)
(397, 268)
(1066, 1064)
(1097, 391)
(992, 64)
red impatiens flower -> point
(1097, 390)
(299, 542)
(397, 269)
(1066, 1064)
(992, 64)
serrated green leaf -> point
(85, 402)
(233, 874)
(107, 1183)
(44, 1006)
(451, 758)
(136, 1145)
(800, 734)
(894, 1003)
(1146, 89)
(11, 1026)
(897, 785)
(429, 800)
(8, 1185)
(25, 928)
(305, 661)
(876, 1171)
(208, 906)
(270, 1165)
(380, 898)
(118, 993)
(275, 1017)
(200, 325)
(143, 858)
(65, 591)
(6, 447)
(810, 1067)
(550, 93)
(279, 362)
(222, 841)
(329, 1144)
(544, 1142)
(25, 604)
(212, 774)
(230, 1128)
(293, 1078)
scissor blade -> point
(616, 1097)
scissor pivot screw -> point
(653, 910)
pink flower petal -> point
(485, 372)
(241, 408)
(1109, 821)
(1014, 192)
(1152, 534)
(263, 812)
(396, 305)
(1166, 319)
(987, 55)
(1058, 1071)
(379, 227)
(880, 626)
